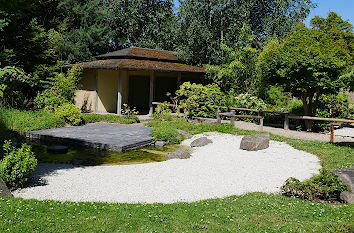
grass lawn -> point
(254, 212)
(248, 213)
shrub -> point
(277, 97)
(199, 100)
(70, 113)
(16, 87)
(249, 101)
(17, 164)
(67, 84)
(324, 186)
(49, 99)
(166, 133)
(335, 106)
(295, 106)
(162, 112)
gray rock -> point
(184, 133)
(201, 142)
(159, 144)
(255, 142)
(178, 154)
(4, 191)
(345, 175)
(347, 197)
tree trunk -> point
(307, 98)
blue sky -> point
(344, 8)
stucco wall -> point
(85, 98)
(107, 89)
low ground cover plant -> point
(324, 186)
(70, 113)
(109, 118)
(22, 121)
(17, 164)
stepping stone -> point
(203, 141)
(178, 154)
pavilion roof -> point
(134, 58)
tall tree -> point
(85, 27)
(23, 41)
(308, 63)
(238, 68)
(205, 24)
(144, 23)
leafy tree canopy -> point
(238, 69)
(205, 24)
(308, 63)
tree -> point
(237, 71)
(85, 28)
(22, 37)
(308, 63)
(142, 23)
(205, 24)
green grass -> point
(22, 121)
(254, 212)
(109, 118)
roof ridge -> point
(162, 50)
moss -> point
(91, 158)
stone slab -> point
(102, 136)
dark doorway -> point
(164, 85)
(139, 88)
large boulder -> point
(346, 176)
(201, 142)
(255, 142)
(178, 154)
(4, 191)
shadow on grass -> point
(345, 144)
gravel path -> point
(216, 170)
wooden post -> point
(96, 91)
(218, 117)
(151, 96)
(119, 97)
(332, 133)
(261, 124)
(286, 122)
(179, 79)
(232, 120)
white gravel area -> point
(216, 170)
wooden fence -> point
(260, 114)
